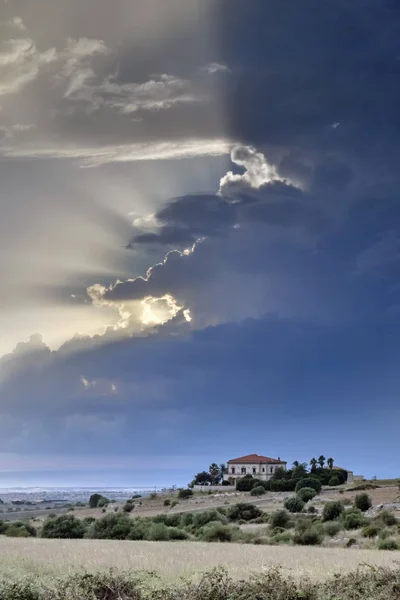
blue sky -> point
(199, 237)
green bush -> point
(185, 494)
(388, 544)
(334, 480)
(128, 507)
(332, 510)
(309, 537)
(177, 534)
(246, 483)
(294, 504)
(244, 511)
(387, 518)
(186, 519)
(97, 500)
(206, 516)
(167, 502)
(64, 527)
(216, 532)
(353, 519)
(259, 490)
(18, 529)
(306, 494)
(279, 518)
(157, 532)
(370, 531)
(282, 485)
(114, 526)
(332, 528)
(311, 510)
(363, 502)
(311, 482)
(283, 537)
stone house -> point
(259, 467)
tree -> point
(332, 510)
(313, 463)
(294, 504)
(321, 461)
(299, 471)
(222, 470)
(64, 526)
(280, 473)
(330, 463)
(311, 482)
(362, 502)
(202, 478)
(296, 463)
(213, 469)
(95, 499)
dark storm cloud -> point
(87, 403)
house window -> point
(233, 470)
(243, 470)
(271, 469)
(263, 469)
(254, 471)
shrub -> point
(167, 502)
(259, 490)
(309, 537)
(334, 480)
(185, 494)
(370, 531)
(283, 537)
(351, 542)
(282, 485)
(177, 534)
(306, 493)
(332, 510)
(217, 532)
(206, 516)
(244, 511)
(18, 529)
(157, 532)
(114, 526)
(64, 527)
(332, 528)
(294, 504)
(363, 502)
(128, 507)
(311, 509)
(388, 544)
(245, 484)
(186, 519)
(353, 519)
(279, 518)
(96, 499)
(387, 518)
(311, 482)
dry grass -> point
(173, 559)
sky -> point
(199, 237)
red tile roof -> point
(256, 458)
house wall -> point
(269, 470)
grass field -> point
(171, 560)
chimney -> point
(279, 458)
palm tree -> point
(313, 463)
(296, 463)
(222, 470)
(213, 469)
(330, 463)
(321, 461)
